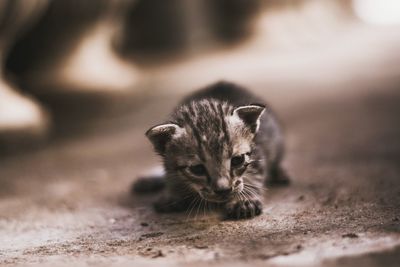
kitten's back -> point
(225, 91)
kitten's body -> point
(221, 147)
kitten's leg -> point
(172, 203)
(175, 199)
(274, 154)
(277, 176)
(246, 205)
(168, 203)
(153, 181)
(149, 184)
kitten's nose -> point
(221, 187)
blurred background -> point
(81, 81)
(64, 62)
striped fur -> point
(213, 129)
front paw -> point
(243, 209)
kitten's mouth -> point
(208, 195)
(217, 199)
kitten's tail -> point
(148, 184)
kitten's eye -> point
(237, 161)
(198, 170)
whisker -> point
(256, 160)
(248, 196)
(198, 208)
(244, 196)
(239, 195)
(252, 189)
(204, 209)
(251, 194)
(252, 186)
(193, 204)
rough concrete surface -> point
(69, 203)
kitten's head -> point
(208, 146)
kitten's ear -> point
(160, 135)
(250, 115)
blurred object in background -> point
(76, 52)
(154, 25)
(82, 59)
(179, 26)
(231, 20)
(70, 50)
(21, 118)
(290, 24)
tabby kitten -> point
(220, 145)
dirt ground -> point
(69, 202)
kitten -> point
(220, 145)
